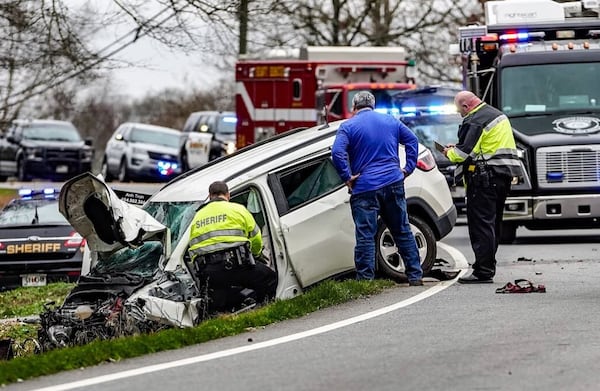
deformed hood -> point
(106, 222)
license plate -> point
(62, 169)
(33, 279)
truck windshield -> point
(550, 88)
(51, 132)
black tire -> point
(389, 262)
(22, 175)
(508, 233)
(105, 171)
(184, 161)
(123, 175)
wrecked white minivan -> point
(135, 276)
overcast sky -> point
(155, 66)
(158, 67)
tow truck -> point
(313, 85)
(539, 62)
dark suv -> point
(44, 149)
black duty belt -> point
(231, 258)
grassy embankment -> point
(324, 295)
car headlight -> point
(33, 152)
(230, 148)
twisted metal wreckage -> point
(128, 257)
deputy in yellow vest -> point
(487, 158)
(224, 243)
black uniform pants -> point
(485, 207)
(259, 277)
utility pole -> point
(243, 19)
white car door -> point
(197, 147)
(315, 219)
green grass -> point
(326, 294)
(30, 301)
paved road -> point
(440, 336)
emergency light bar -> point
(522, 36)
(29, 193)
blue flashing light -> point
(387, 110)
(409, 109)
(166, 168)
(231, 120)
(25, 192)
(555, 176)
(30, 193)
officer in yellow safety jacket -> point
(224, 243)
(488, 161)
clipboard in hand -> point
(439, 146)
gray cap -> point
(363, 99)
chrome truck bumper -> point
(584, 207)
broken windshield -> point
(145, 259)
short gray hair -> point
(363, 99)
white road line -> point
(230, 352)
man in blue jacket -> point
(365, 154)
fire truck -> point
(539, 62)
(314, 85)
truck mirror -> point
(88, 141)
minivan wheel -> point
(123, 175)
(390, 263)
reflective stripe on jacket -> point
(220, 225)
(486, 134)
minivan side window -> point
(309, 181)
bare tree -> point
(425, 28)
(40, 48)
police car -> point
(37, 244)
(290, 186)
(431, 114)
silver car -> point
(139, 151)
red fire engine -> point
(276, 95)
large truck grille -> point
(62, 155)
(571, 166)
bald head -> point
(466, 101)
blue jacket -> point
(367, 144)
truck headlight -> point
(33, 152)
(230, 148)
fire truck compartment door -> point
(197, 148)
